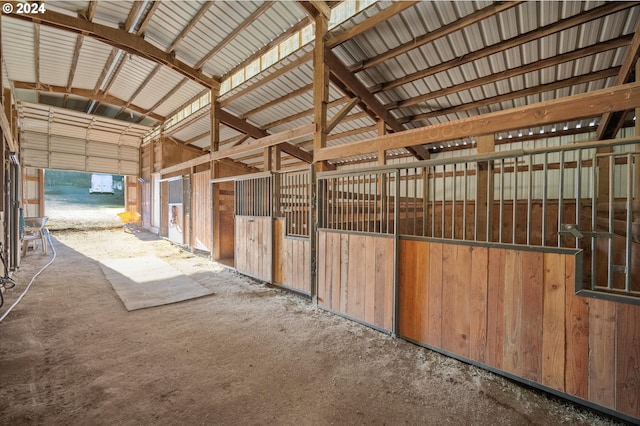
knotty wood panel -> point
(523, 318)
(292, 259)
(347, 286)
(201, 211)
(253, 249)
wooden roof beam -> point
(120, 39)
(340, 71)
(269, 78)
(233, 34)
(367, 24)
(608, 127)
(443, 31)
(337, 118)
(530, 91)
(241, 125)
(252, 146)
(513, 72)
(316, 8)
(296, 152)
(85, 93)
(573, 21)
(590, 104)
(279, 100)
(192, 23)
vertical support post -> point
(320, 101)
(484, 201)
(214, 116)
(268, 159)
(636, 171)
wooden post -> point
(268, 159)
(277, 158)
(320, 87)
(484, 203)
(636, 183)
(214, 117)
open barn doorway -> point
(79, 200)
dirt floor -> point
(70, 353)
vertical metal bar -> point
(529, 198)
(432, 187)
(475, 208)
(501, 200)
(425, 200)
(395, 258)
(415, 200)
(579, 195)
(515, 201)
(560, 196)
(627, 278)
(594, 211)
(444, 198)
(610, 242)
(388, 202)
(453, 205)
(369, 196)
(545, 168)
(465, 200)
(375, 201)
(490, 190)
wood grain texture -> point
(532, 314)
(577, 332)
(495, 308)
(478, 304)
(628, 359)
(602, 352)
(436, 288)
(553, 338)
(513, 306)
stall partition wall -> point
(529, 271)
(271, 228)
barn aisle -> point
(70, 353)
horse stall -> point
(524, 262)
(272, 232)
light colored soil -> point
(70, 353)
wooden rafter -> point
(85, 93)
(169, 94)
(518, 40)
(584, 105)
(454, 26)
(74, 61)
(121, 39)
(276, 41)
(192, 23)
(36, 51)
(141, 87)
(608, 126)
(337, 118)
(303, 114)
(142, 26)
(233, 34)
(90, 12)
(241, 125)
(316, 8)
(513, 72)
(296, 152)
(267, 105)
(370, 22)
(255, 145)
(357, 88)
(530, 91)
(275, 74)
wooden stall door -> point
(253, 246)
(201, 211)
(292, 259)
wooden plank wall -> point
(201, 210)
(517, 311)
(253, 246)
(355, 276)
(292, 259)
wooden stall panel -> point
(628, 359)
(292, 259)
(201, 211)
(355, 277)
(253, 250)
